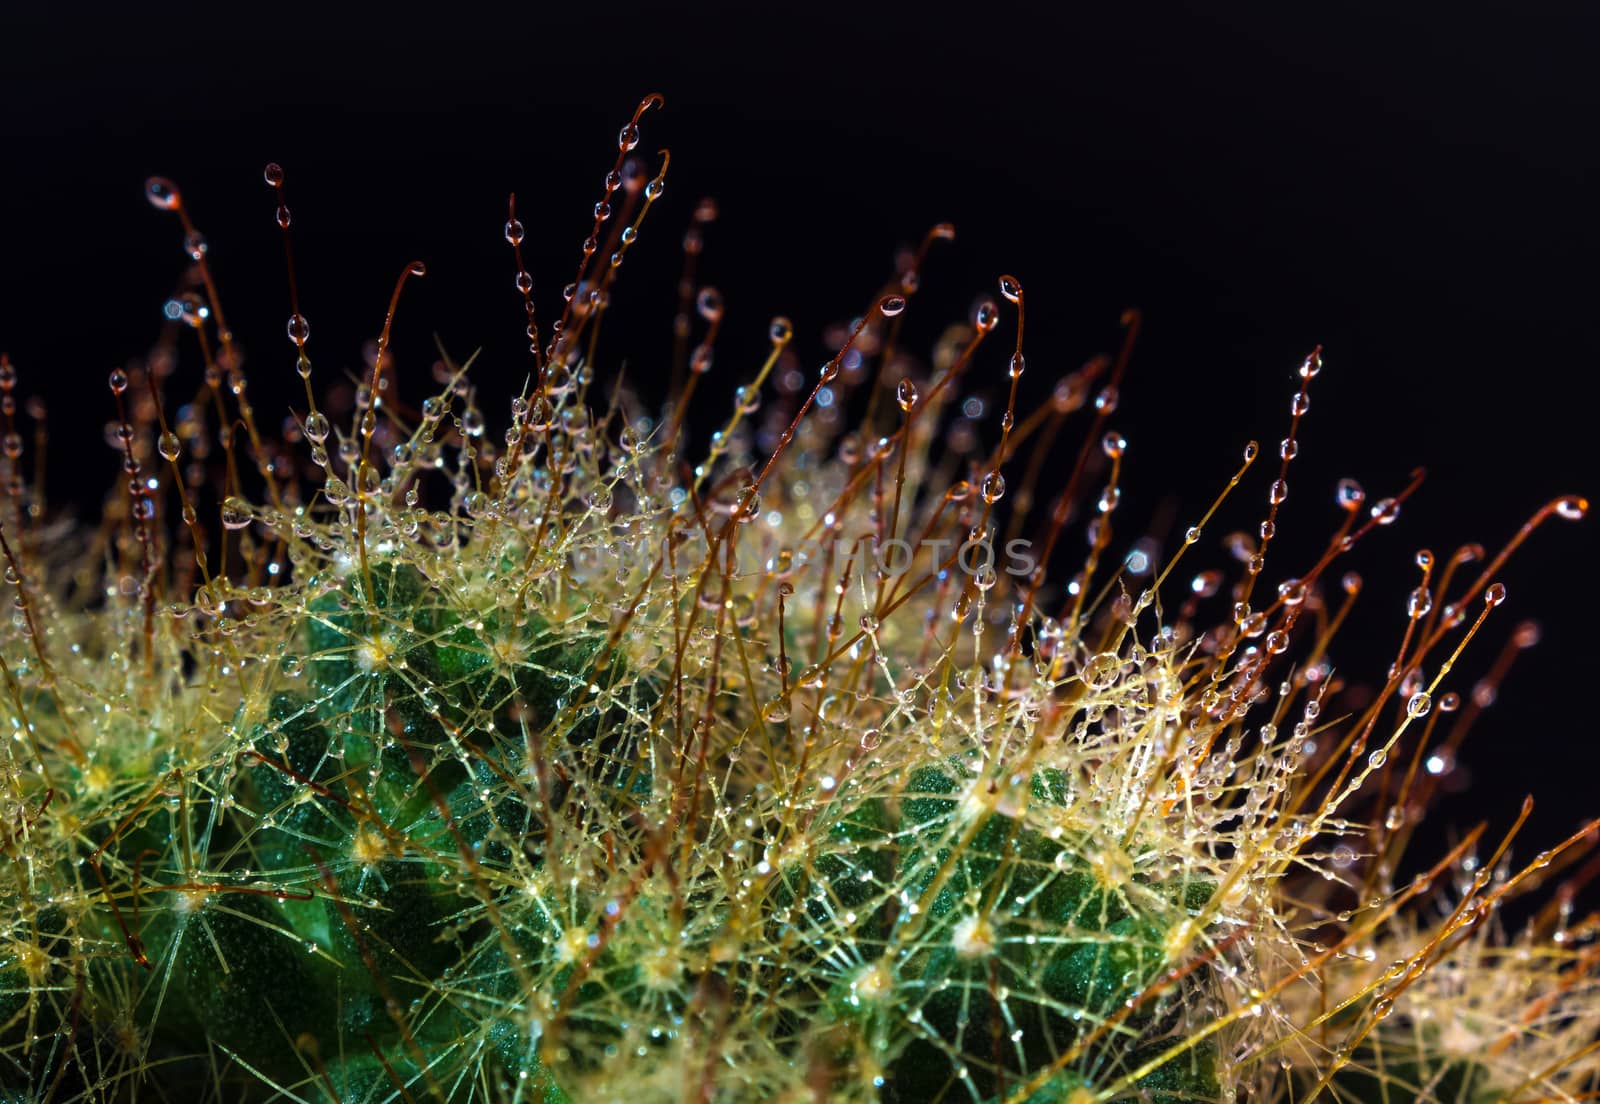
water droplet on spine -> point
(169, 446)
(1010, 288)
(994, 487)
(1385, 511)
(317, 427)
(272, 174)
(162, 193)
(1572, 507)
(514, 231)
(1494, 595)
(235, 513)
(118, 380)
(906, 394)
(299, 329)
(891, 305)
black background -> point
(1411, 186)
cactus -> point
(562, 770)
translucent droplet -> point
(118, 380)
(235, 512)
(514, 231)
(162, 193)
(299, 329)
(273, 173)
(994, 487)
(891, 305)
(1114, 443)
(1419, 603)
(1010, 288)
(1572, 507)
(906, 394)
(1494, 595)
(1101, 670)
(1419, 705)
(781, 331)
(1385, 511)
(709, 304)
(317, 427)
(168, 445)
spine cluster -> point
(551, 765)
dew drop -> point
(906, 394)
(1349, 494)
(235, 512)
(272, 174)
(1494, 595)
(891, 305)
(317, 427)
(1572, 507)
(994, 487)
(1385, 511)
(1420, 705)
(709, 304)
(162, 193)
(167, 444)
(514, 231)
(299, 329)
(1101, 670)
